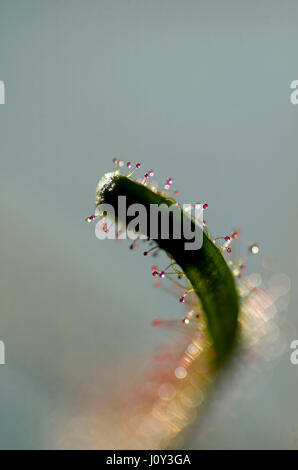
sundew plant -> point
(225, 310)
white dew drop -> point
(254, 249)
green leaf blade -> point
(206, 268)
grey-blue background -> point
(196, 90)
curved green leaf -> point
(205, 268)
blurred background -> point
(197, 91)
